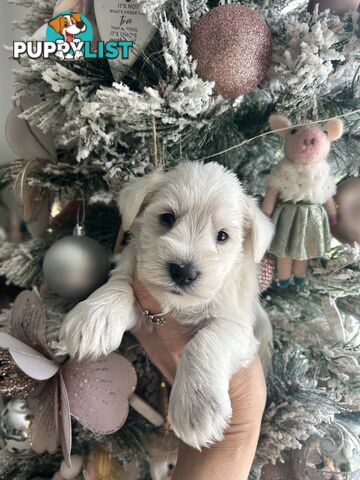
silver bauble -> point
(335, 456)
(15, 421)
(75, 266)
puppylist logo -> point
(69, 36)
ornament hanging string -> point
(157, 156)
(158, 164)
(81, 207)
(79, 228)
(22, 180)
(265, 134)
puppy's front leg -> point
(95, 327)
(200, 407)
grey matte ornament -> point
(76, 266)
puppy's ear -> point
(277, 122)
(261, 229)
(134, 195)
(334, 129)
(55, 23)
(76, 17)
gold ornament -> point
(102, 465)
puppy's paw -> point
(200, 408)
(92, 329)
(60, 55)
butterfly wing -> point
(29, 360)
(65, 433)
(44, 405)
(28, 322)
(99, 391)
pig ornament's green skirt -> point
(302, 231)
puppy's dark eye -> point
(167, 219)
(171, 466)
(222, 236)
(326, 132)
(293, 131)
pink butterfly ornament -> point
(95, 393)
(91, 388)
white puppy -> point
(196, 240)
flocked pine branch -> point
(103, 135)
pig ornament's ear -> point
(277, 122)
(334, 129)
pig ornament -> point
(299, 197)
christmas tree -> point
(94, 124)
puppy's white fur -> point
(221, 306)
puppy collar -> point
(154, 319)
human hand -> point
(233, 456)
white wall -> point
(7, 35)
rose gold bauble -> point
(232, 46)
(347, 200)
(336, 6)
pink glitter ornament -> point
(232, 46)
(347, 228)
(266, 273)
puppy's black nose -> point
(183, 274)
(80, 24)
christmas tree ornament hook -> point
(79, 230)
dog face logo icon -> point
(68, 25)
(68, 28)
